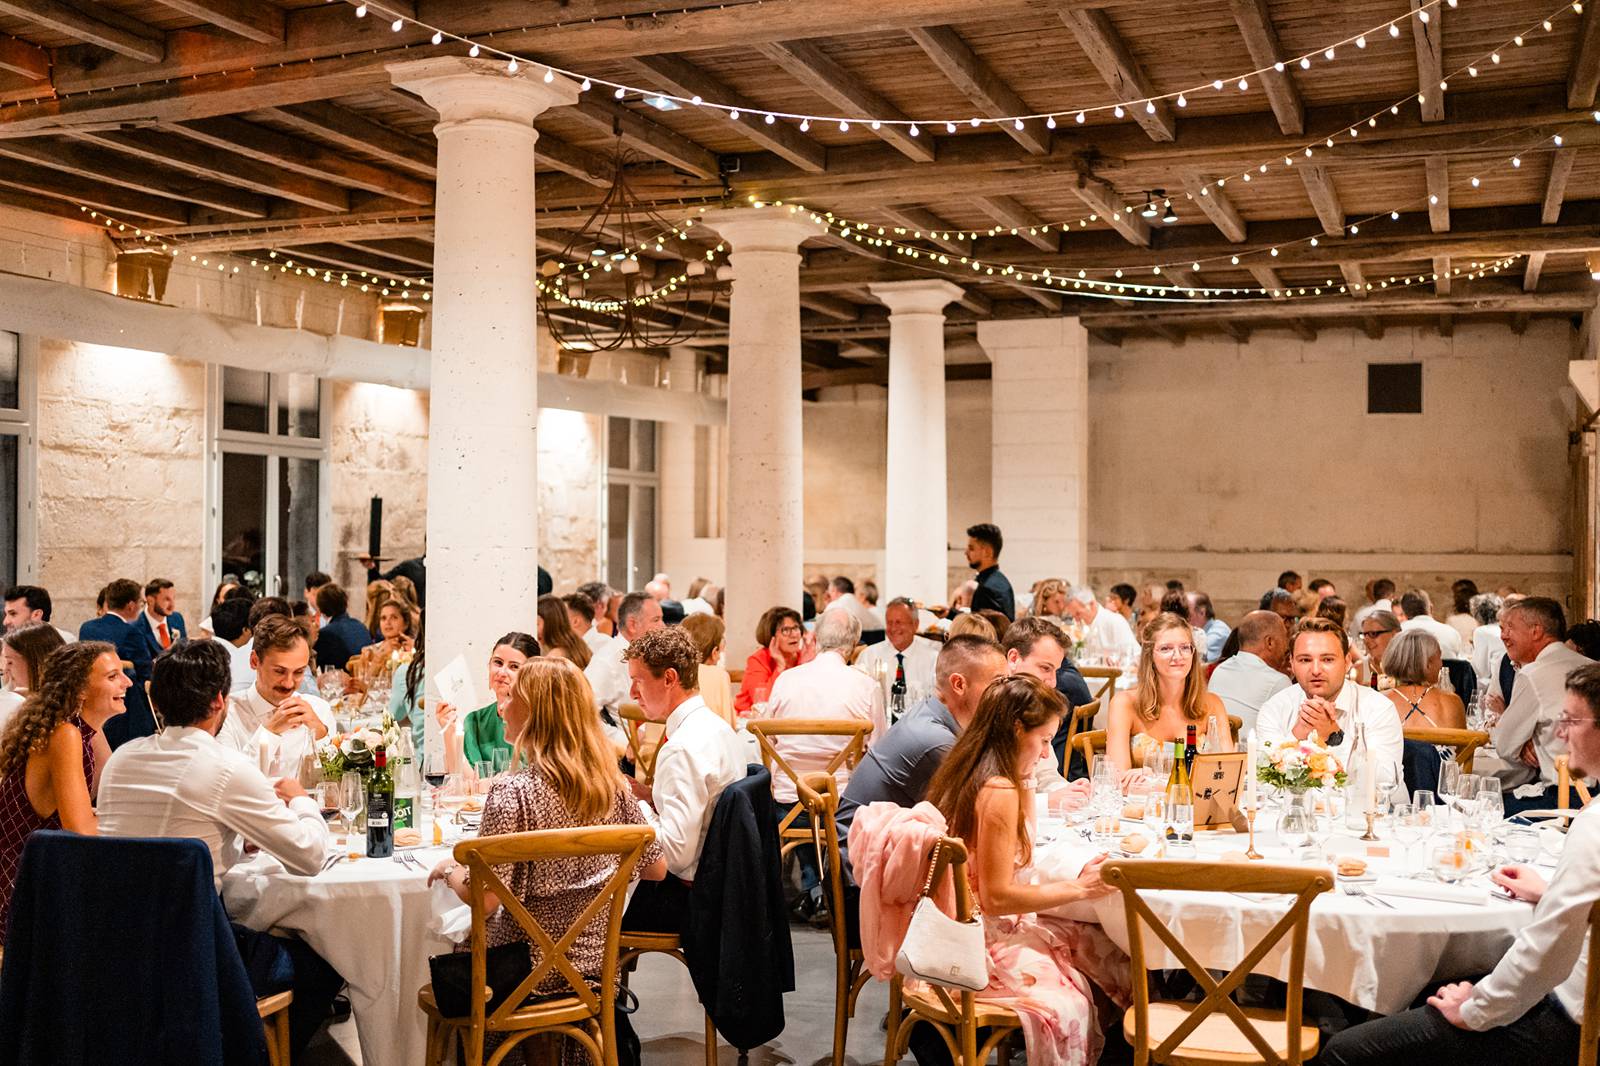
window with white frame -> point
(17, 410)
(268, 486)
(632, 488)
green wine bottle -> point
(380, 808)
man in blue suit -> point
(341, 637)
(124, 600)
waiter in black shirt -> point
(983, 555)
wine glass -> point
(1408, 831)
(434, 770)
(1449, 781)
(1491, 809)
(352, 795)
(328, 792)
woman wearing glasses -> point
(781, 635)
(1378, 628)
(1169, 697)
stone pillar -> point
(1039, 394)
(766, 512)
(915, 537)
(677, 465)
(483, 519)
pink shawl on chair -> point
(889, 847)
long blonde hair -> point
(1042, 593)
(562, 741)
(1147, 693)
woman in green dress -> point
(483, 731)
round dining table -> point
(1374, 942)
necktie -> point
(166, 638)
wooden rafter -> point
(104, 196)
(1113, 212)
(1441, 270)
(834, 307)
(88, 165)
(1216, 205)
(1105, 48)
(181, 153)
(685, 79)
(1268, 279)
(1030, 227)
(1531, 271)
(812, 67)
(1429, 39)
(979, 83)
(359, 133)
(28, 60)
(1438, 194)
(1255, 24)
(250, 19)
(644, 135)
(108, 29)
(1355, 279)
(1324, 198)
(303, 156)
(1584, 77)
(1555, 186)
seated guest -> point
(378, 594)
(1462, 590)
(1040, 965)
(23, 650)
(556, 635)
(700, 757)
(972, 625)
(1203, 616)
(224, 587)
(1380, 597)
(396, 637)
(607, 672)
(706, 630)
(416, 569)
(244, 675)
(124, 603)
(340, 637)
(1169, 697)
(993, 591)
(1038, 647)
(314, 581)
(568, 780)
(1525, 733)
(1332, 608)
(600, 597)
(580, 616)
(1584, 638)
(1413, 664)
(702, 597)
(160, 621)
(1530, 1007)
(183, 782)
(1322, 702)
(841, 596)
(230, 627)
(781, 634)
(999, 621)
(1487, 647)
(1282, 603)
(28, 603)
(265, 720)
(405, 699)
(1149, 604)
(47, 754)
(1108, 634)
(1257, 673)
(1121, 600)
(1176, 602)
(483, 731)
(1377, 630)
(1414, 612)
(1049, 600)
(902, 653)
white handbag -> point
(938, 948)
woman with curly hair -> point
(47, 758)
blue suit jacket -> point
(133, 643)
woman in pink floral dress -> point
(1062, 977)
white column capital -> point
(998, 334)
(763, 229)
(923, 297)
(461, 89)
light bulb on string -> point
(437, 38)
(1080, 117)
(511, 67)
(1328, 54)
(473, 51)
(1117, 111)
(1361, 42)
(1394, 30)
(1422, 16)
(1049, 123)
(949, 127)
(361, 11)
(770, 118)
(585, 85)
(1244, 84)
(397, 25)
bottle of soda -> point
(380, 808)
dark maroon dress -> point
(18, 819)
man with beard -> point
(983, 555)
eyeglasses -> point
(1376, 633)
(1568, 723)
(1175, 651)
(789, 631)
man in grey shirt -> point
(1256, 674)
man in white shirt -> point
(273, 721)
(1487, 646)
(841, 596)
(1380, 597)
(580, 612)
(1108, 632)
(1415, 608)
(1037, 646)
(1323, 702)
(702, 594)
(1530, 1008)
(902, 653)
(700, 756)
(182, 782)
(1257, 673)
(607, 673)
(1525, 735)
(230, 627)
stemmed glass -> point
(352, 796)
(1408, 830)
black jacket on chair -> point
(736, 938)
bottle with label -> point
(897, 693)
(380, 808)
(1189, 750)
(1179, 799)
(406, 784)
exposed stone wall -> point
(569, 496)
(379, 448)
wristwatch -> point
(1335, 738)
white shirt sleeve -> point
(681, 795)
(1275, 721)
(1521, 718)
(294, 834)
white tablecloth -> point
(369, 919)
(1373, 956)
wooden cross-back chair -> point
(1589, 1031)
(1216, 1030)
(854, 733)
(645, 740)
(1465, 742)
(1102, 683)
(819, 794)
(954, 1013)
(1568, 784)
(580, 1011)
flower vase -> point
(1298, 823)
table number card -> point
(1215, 780)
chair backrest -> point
(767, 730)
(819, 795)
(481, 855)
(736, 674)
(951, 859)
(1565, 785)
(1466, 742)
(1589, 1033)
(1132, 878)
(634, 721)
(155, 712)
(1107, 676)
(1091, 744)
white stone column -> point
(766, 511)
(483, 518)
(915, 533)
(1039, 393)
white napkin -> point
(452, 919)
(1442, 893)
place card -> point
(455, 685)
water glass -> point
(1450, 862)
(502, 760)
(1155, 813)
(1522, 844)
(1157, 764)
(485, 772)
(1424, 802)
(1491, 809)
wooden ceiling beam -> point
(304, 156)
(1268, 279)
(359, 133)
(180, 153)
(933, 229)
(591, 168)
(834, 307)
(89, 166)
(644, 135)
(1531, 271)
(683, 78)
(107, 29)
(1104, 47)
(1255, 25)
(1324, 198)
(29, 60)
(807, 63)
(1355, 281)
(310, 234)
(1112, 211)
(975, 301)
(1438, 194)
(980, 84)
(1441, 268)
(1023, 223)
(1216, 205)
(413, 253)
(1584, 76)
(342, 257)
(251, 19)
(1555, 186)
(103, 196)
(1429, 39)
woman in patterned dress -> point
(47, 761)
(1046, 968)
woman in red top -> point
(781, 635)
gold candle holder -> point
(1250, 816)
(1369, 834)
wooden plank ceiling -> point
(268, 127)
